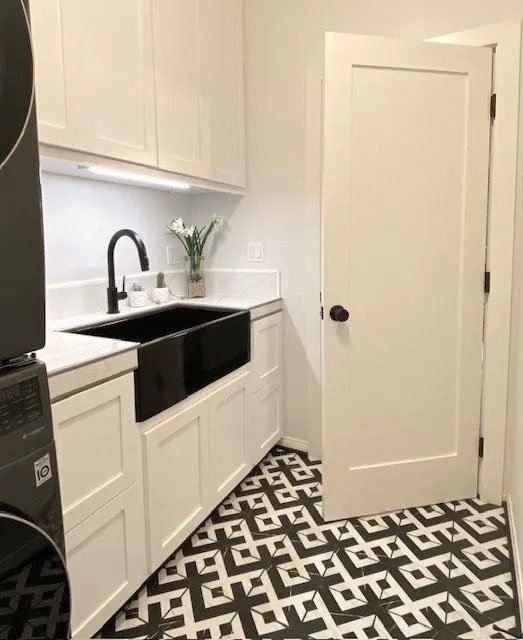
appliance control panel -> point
(20, 404)
(25, 411)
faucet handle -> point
(122, 295)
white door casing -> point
(405, 186)
(505, 38)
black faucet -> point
(113, 295)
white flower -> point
(177, 225)
(189, 232)
(217, 222)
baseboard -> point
(295, 443)
(515, 552)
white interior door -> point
(406, 158)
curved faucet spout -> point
(112, 292)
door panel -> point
(177, 455)
(106, 560)
(221, 83)
(265, 419)
(54, 126)
(405, 198)
(105, 414)
(109, 45)
(229, 455)
(177, 86)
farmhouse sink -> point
(182, 350)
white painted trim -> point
(294, 443)
(506, 38)
(515, 552)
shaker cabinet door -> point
(265, 419)
(97, 447)
(199, 88)
(177, 479)
(55, 125)
(95, 77)
(229, 446)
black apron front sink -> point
(182, 350)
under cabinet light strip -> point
(136, 177)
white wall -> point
(284, 52)
(514, 450)
(80, 216)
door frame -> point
(505, 38)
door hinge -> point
(487, 282)
(493, 100)
(481, 447)
(321, 312)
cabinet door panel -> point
(177, 85)
(265, 419)
(229, 454)
(106, 561)
(177, 486)
(98, 447)
(266, 340)
(109, 77)
(54, 125)
(221, 85)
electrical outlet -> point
(173, 257)
(255, 252)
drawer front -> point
(229, 449)
(266, 341)
(265, 419)
(98, 447)
(177, 479)
(106, 560)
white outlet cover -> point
(255, 252)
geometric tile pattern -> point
(266, 565)
(35, 599)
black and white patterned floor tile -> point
(266, 565)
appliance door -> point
(34, 586)
(22, 327)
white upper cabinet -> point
(95, 77)
(221, 83)
(54, 124)
(153, 82)
(199, 88)
(177, 86)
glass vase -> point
(195, 276)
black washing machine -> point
(34, 586)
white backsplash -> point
(71, 299)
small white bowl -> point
(138, 298)
(160, 295)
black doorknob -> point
(339, 313)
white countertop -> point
(66, 351)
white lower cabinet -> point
(106, 561)
(193, 459)
(265, 419)
(177, 482)
(97, 445)
(194, 455)
(229, 452)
